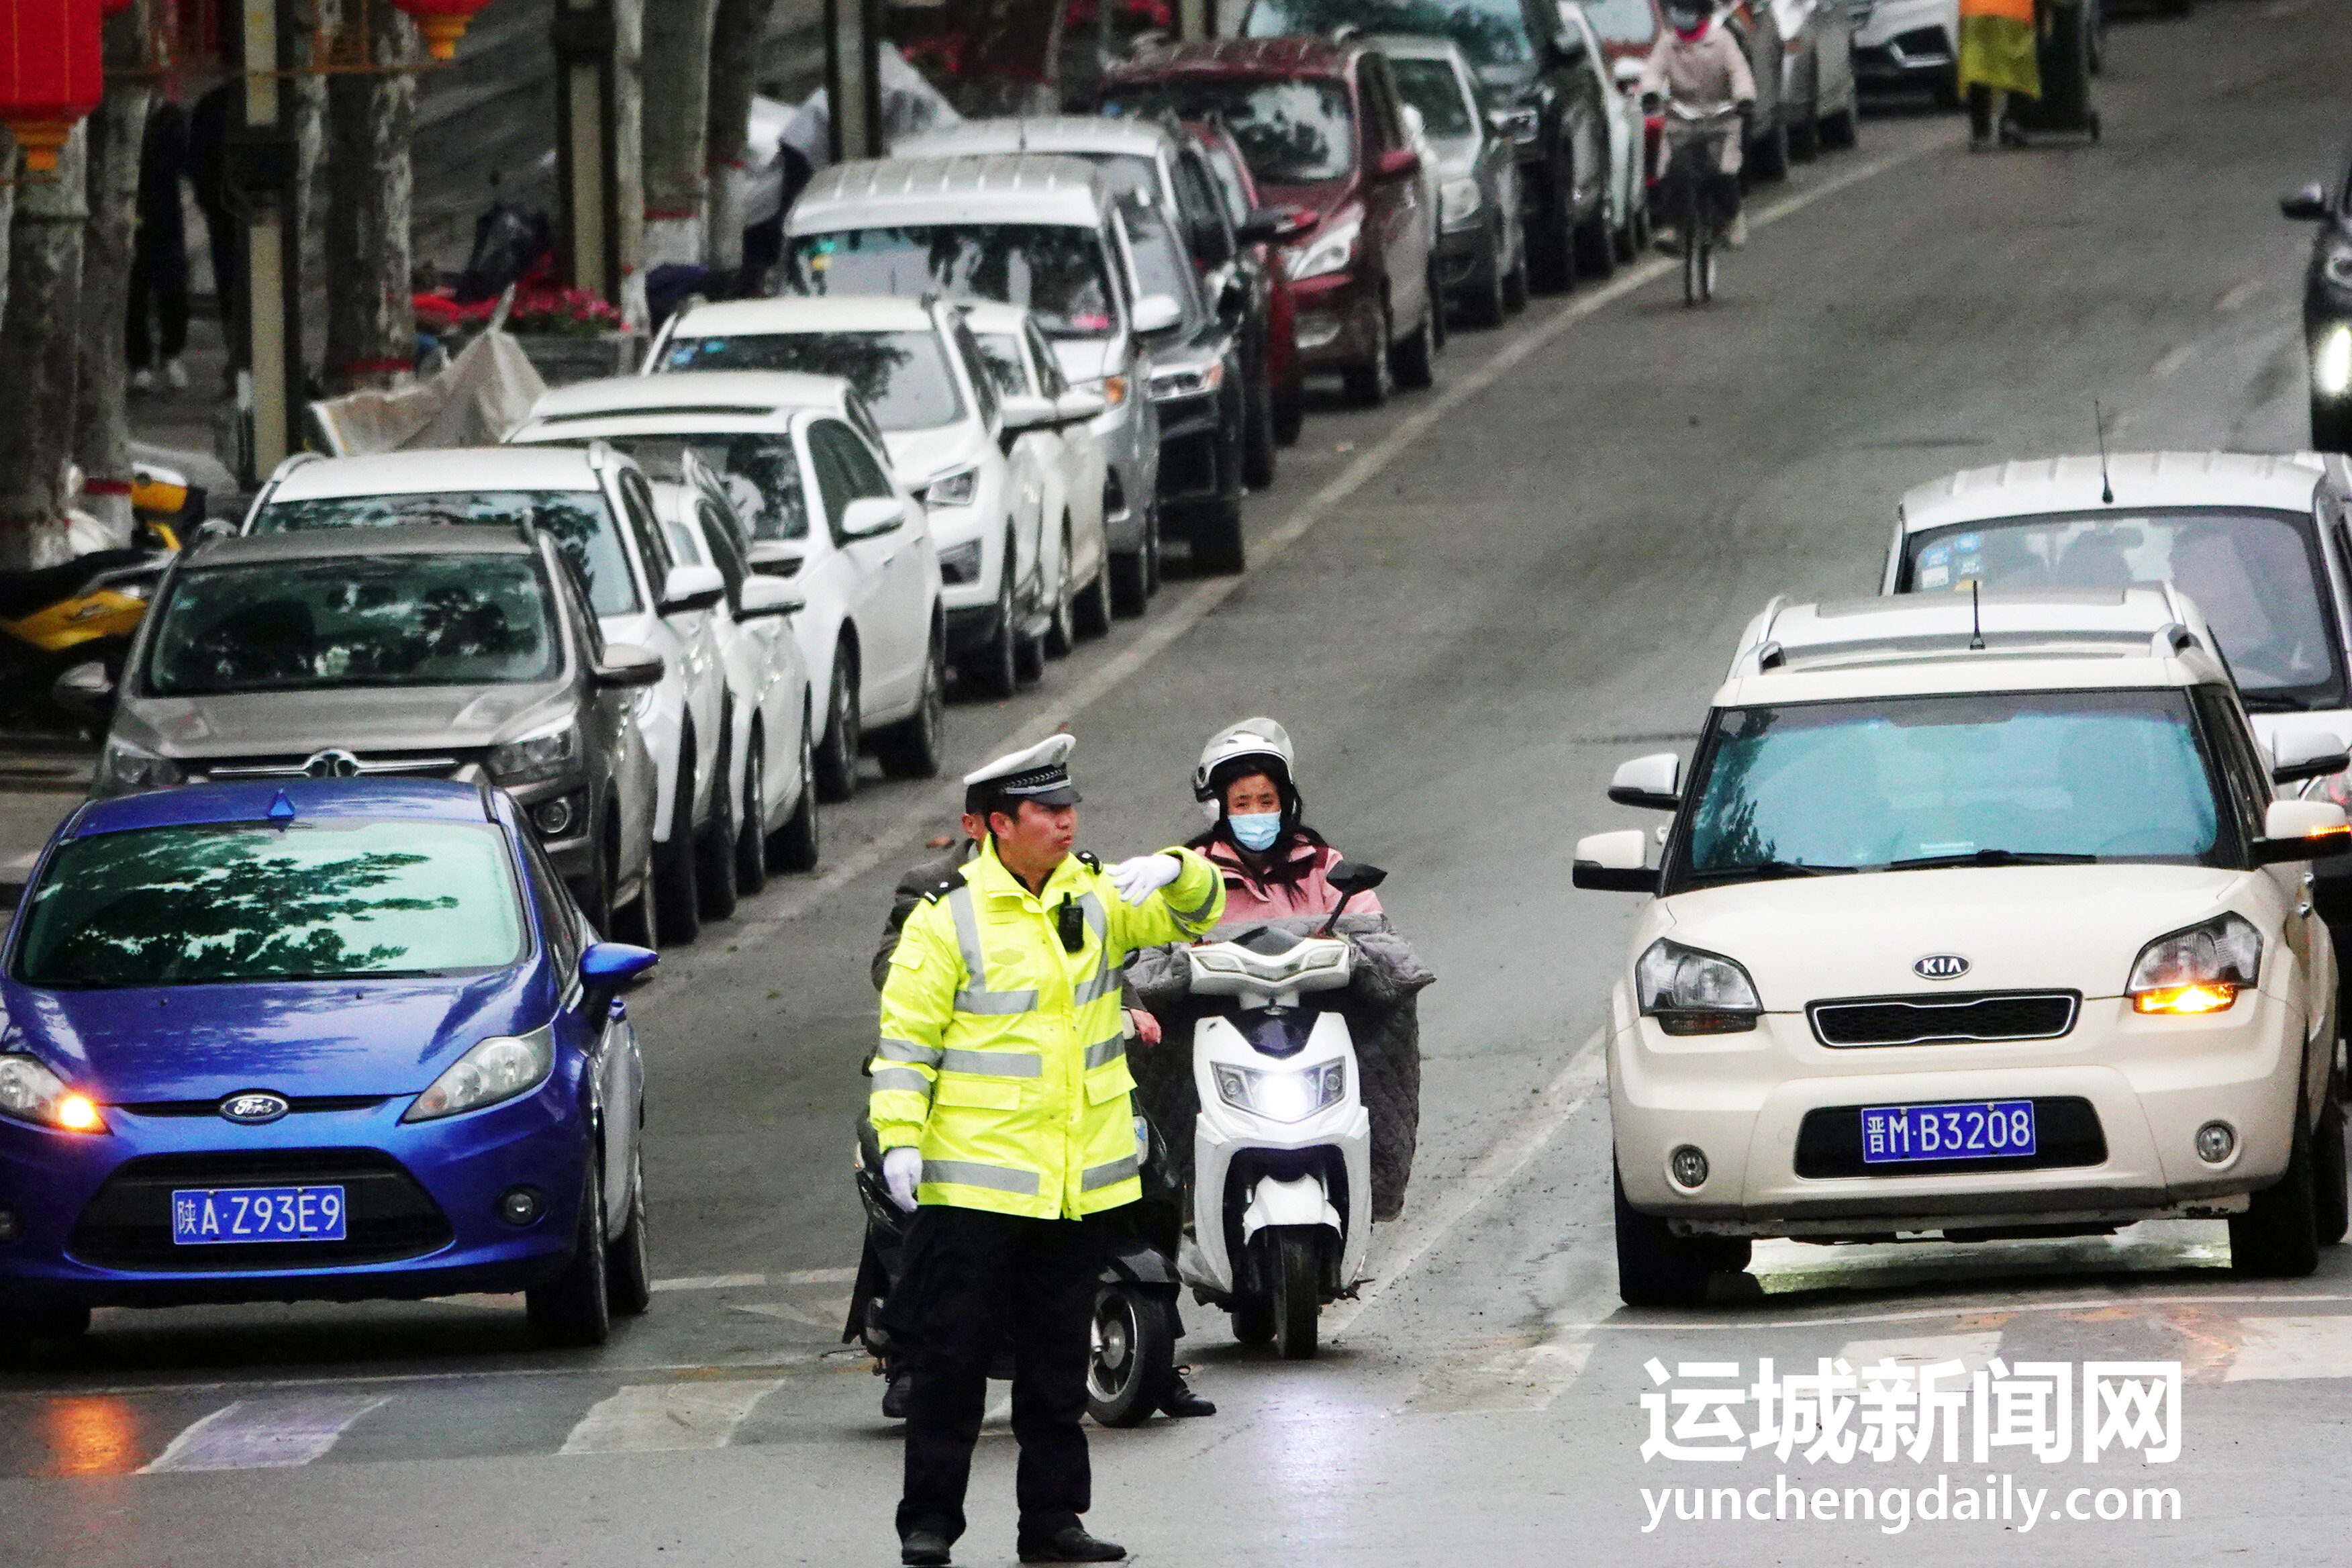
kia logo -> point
(331, 764)
(1940, 966)
(254, 1109)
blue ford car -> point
(331, 1039)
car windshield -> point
(1491, 32)
(393, 620)
(581, 525)
(319, 900)
(1432, 87)
(903, 376)
(761, 470)
(2255, 575)
(1623, 21)
(1055, 269)
(1001, 351)
(1980, 779)
(1291, 132)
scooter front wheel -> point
(1254, 1320)
(1133, 1352)
(1295, 1260)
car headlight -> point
(1691, 992)
(1186, 381)
(123, 766)
(546, 754)
(1331, 250)
(2331, 367)
(962, 563)
(31, 1093)
(1112, 389)
(961, 487)
(2338, 268)
(2198, 969)
(499, 1069)
(1283, 1094)
(1457, 200)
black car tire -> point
(1805, 135)
(2331, 426)
(1768, 155)
(843, 738)
(1515, 282)
(1842, 129)
(1061, 629)
(48, 1322)
(1130, 580)
(575, 1307)
(1293, 1260)
(1258, 440)
(2278, 1236)
(916, 746)
(793, 846)
(1090, 612)
(752, 819)
(1153, 558)
(628, 1271)
(1483, 301)
(1290, 412)
(1132, 1355)
(594, 892)
(1948, 89)
(1412, 358)
(991, 669)
(1438, 328)
(634, 922)
(1596, 248)
(714, 845)
(1369, 383)
(2332, 1201)
(1217, 542)
(1656, 1267)
(677, 904)
(1551, 238)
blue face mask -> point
(1256, 829)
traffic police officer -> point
(1001, 1099)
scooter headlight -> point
(1283, 1094)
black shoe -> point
(924, 1549)
(894, 1397)
(1180, 1399)
(1071, 1543)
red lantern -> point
(50, 73)
(442, 23)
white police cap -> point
(1041, 773)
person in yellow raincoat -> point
(1998, 41)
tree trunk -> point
(371, 125)
(678, 87)
(101, 442)
(37, 344)
(628, 154)
(736, 30)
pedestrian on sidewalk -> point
(159, 252)
(208, 127)
(1997, 59)
(1001, 1100)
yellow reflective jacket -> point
(1002, 1053)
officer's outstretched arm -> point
(1183, 911)
(918, 1000)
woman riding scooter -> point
(1274, 865)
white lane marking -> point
(1961, 1307)
(790, 1313)
(2292, 1348)
(761, 1361)
(264, 1434)
(666, 1417)
(2169, 365)
(753, 1281)
(1520, 1142)
(2237, 298)
(1517, 1378)
(1972, 1351)
(931, 807)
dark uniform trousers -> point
(968, 1275)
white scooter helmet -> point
(1250, 738)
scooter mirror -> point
(1353, 877)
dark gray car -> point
(1482, 262)
(464, 653)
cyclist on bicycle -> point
(1700, 66)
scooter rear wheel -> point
(1294, 1261)
(1133, 1352)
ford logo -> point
(1940, 966)
(331, 763)
(254, 1109)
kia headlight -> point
(1187, 380)
(546, 754)
(2196, 969)
(31, 1093)
(123, 767)
(959, 487)
(1283, 1094)
(1457, 202)
(1692, 992)
(1331, 250)
(2331, 366)
(499, 1069)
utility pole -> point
(262, 169)
(599, 48)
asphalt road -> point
(1468, 608)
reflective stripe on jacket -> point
(1003, 1055)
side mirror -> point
(1353, 877)
(2308, 205)
(769, 596)
(1212, 246)
(608, 967)
(1614, 863)
(2302, 830)
(692, 588)
(2303, 752)
(1512, 124)
(627, 665)
(870, 515)
(1027, 411)
(1157, 312)
(777, 557)
(1397, 164)
(1077, 405)
(1273, 225)
(85, 690)
(1653, 782)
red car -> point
(1320, 126)
(1237, 188)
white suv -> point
(1976, 918)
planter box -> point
(560, 361)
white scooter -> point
(1282, 1147)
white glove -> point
(1139, 879)
(901, 1169)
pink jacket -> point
(1249, 901)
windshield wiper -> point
(2273, 702)
(1765, 870)
(1992, 858)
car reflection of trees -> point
(1492, 34)
(1059, 277)
(575, 520)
